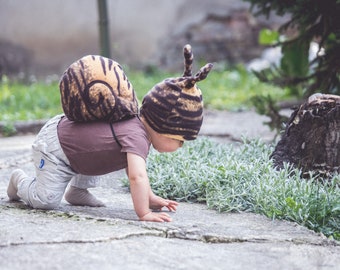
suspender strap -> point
(114, 135)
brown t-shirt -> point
(92, 149)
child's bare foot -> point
(16, 177)
(82, 197)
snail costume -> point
(96, 88)
(75, 148)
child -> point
(79, 152)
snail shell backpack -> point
(95, 88)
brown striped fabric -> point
(174, 107)
(96, 88)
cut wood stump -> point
(311, 140)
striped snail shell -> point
(95, 88)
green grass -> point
(233, 90)
(228, 89)
(242, 179)
(28, 102)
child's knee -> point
(39, 196)
(45, 200)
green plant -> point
(234, 179)
(309, 21)
(28, 102)
(8, 129)
(233, 89)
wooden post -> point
(104, 34)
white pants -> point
(53, 171)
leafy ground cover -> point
(242, 178)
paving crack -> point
(120, 229)
(215, 238)
(80, 241)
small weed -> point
(8, 129)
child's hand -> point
(156, 217)
(157, 203)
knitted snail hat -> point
(96, 88)
(174, 107)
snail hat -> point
(95, 88)
(174, 107)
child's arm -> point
(140, 190)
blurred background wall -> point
(43, 37)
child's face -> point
(165, 144)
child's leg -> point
(77, 194)
(53, 173)
(43, 192)
(17, 177)
(46, 190)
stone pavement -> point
(111, 237)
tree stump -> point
(311, 140)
